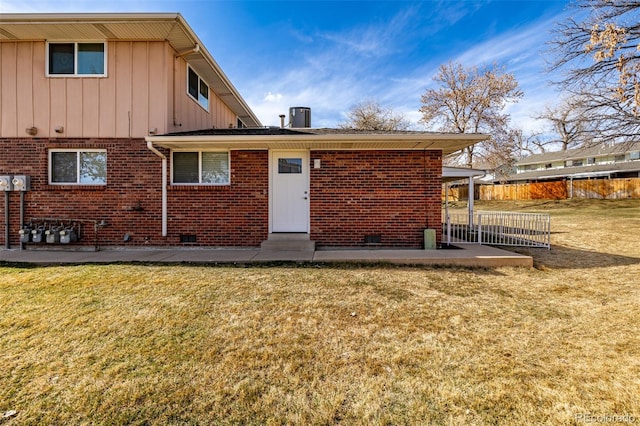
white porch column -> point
(470, 203)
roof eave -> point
(447, 143)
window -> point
(76, 59)
(88, 167)
(201, 167)
(289, 165)
(197, 88)
(591, 160)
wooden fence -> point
(552, 190)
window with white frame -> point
(77, 59)
(78, 167)
(197, 88)
(200, 167)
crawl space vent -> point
(187, 238)
(373, 239)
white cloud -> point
(273, 97)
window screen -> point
(193, 84)
(64, 167)
(61, 58)
(185, 167)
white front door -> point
(290, 191)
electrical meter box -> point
(6, 183)
(21, 183)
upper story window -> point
(197, 88)
(76, 59)
(81, 167)
(201, 167)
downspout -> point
(164, 185)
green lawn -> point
(124, 344)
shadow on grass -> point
(563, 257)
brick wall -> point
(131, 202)
(394, 194)
(234, 215)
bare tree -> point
(472, 100)
(370, 115)
(600, 53)
(572, 123)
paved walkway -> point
(471, 255)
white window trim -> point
(200, 183)
(200, 81)
(75, 59)
(77, 151)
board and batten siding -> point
(136, 96)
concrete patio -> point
(468, 255)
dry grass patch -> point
(125, 344)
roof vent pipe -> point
(282, 116)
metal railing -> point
(498, 228)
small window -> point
(78, 167)
(289, 165)
(619, 158)
(634, 155)
(577, 163)
(76, 59)
(201, 167)
(591, 160)
(197, 88)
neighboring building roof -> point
(309, 138)
(169, 27)
(580, 153)
(595, 170)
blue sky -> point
(329, 55)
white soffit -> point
(447, 143)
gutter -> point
(164, 185)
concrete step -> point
(288, 242)
(288, 236)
